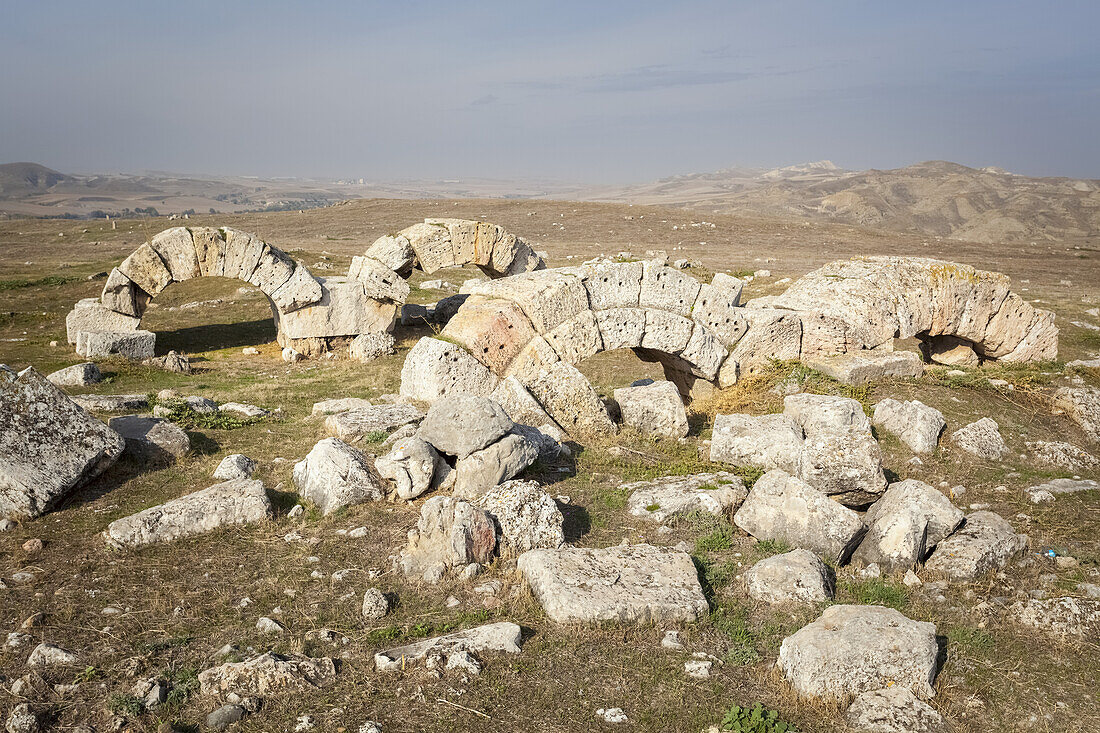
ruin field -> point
(169, 611)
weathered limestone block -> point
(458, 425)
(379, 281)
(235, 466)
(146, 269)
(343, 309)
(451, 533)
(300, 289)
(209, 251)
(853, 649)
(824, 335)
(659, 499)
(268, 674)
(111, 402)
(493, 329)
(272, 271)
(1040, 343)
(482, 470)
(77, 375)
(395, 252)
(463, 234)
(666, 288)
(548, 297)
(798, 576)
(334, 475)
(240, 501)
(89, 315)
(771, 334)
(502, 637)
(520, 405)
(49, 444)
(358, 422)
(628, 583)
(846, 465)
(525, 259)
(906, 524)
(576, 339)
(366, 347)
(782, 507)
(653, 409)
(338, 404)
(432, 244)
(981, 438)
(729, 372)
(1082, 405)
(893, 710)
(526, 517)
(621, 328)
(411, 464)
(952, 351)
(570, 399)
(717, 308)
(613, 285)
(915, 423)
(242, 254)
(151, 439)
(985, 543)
(177, 250)
(120, 295)
(1066, 617)
(763, 441)
(1060, 454)
(532, 359)
(861, 367)
(821, 414)
(133, 345)
(434, 369)
(666, 332)
(703, 353)
(487, 237)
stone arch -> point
(532, 328)
(437, 243)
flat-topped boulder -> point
(785, 508)
(50, 444)
(111, 402)
(760, 441)
(628, 583)
(133, 345)
(660, 499)
(819, 414)
(798, 576)
(151, 439)
(849, 650)
(654, 409)
(235, 502)
(77, 375)
(1068, 617)
(503, 637)
(893, 710)
(861, 367)
(984, 544)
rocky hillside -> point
(936, 197)
(24, 178)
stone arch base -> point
(535, 326)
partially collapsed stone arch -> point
(532, 328)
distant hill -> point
(27, 178)
(936, 197)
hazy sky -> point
(592, 91)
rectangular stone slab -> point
(504, 637)
(632, 584)
(240, 501)
(145, 267)
(49, 444)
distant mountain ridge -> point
(16, 178)
(936, 197)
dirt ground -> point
(182, 602)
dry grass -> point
(182, 602)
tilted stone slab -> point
(236, 502)
(432, 244)
(853, 649)
(659, 499)
(334, 475)
(272, 271)
(984, 544)
(356, 423)
(915, 423)
(145, 268)
(90, 315)
(906, 524)
(570, 399)
(782, 507)
(716, 308)
(120, 295)
(629, 584)
(300, 290)
(395, 252)
(50, 445)
(503, 637)
(484, 469)
(458, 425)
(771, 334)
(177, 249)
(379, 281)
(845, 464)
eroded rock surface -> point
(798, 576)
(659, 499)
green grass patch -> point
(767, 548)
(732, 623)
(970, 639)
(49, 280)
(877, 592)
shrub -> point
(756, 719)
